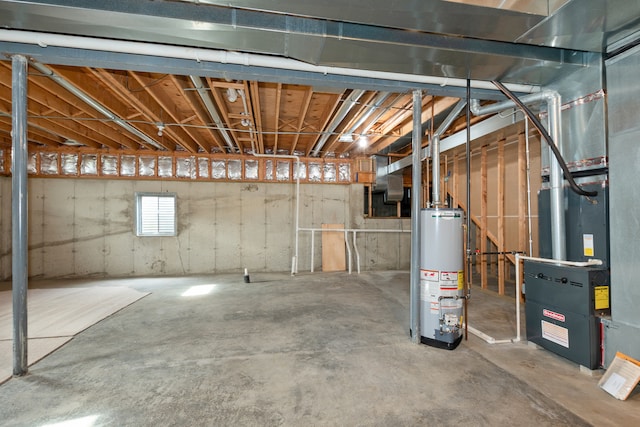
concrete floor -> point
(319, 349)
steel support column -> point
(416, 182)
(19, 246)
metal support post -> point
(416, 182)
(19, 244)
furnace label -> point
(587, 243)
(555, 333)
(553, 315)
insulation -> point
(165, 167)
(218, 169)
(109, 165)
(344, 172)
(282, 170)
(235, 169)
(185, 167)
(31, 163)
(268, 170)
(203, 168)
(49, 163)
(251, 169)
(329, 172)
(300, 170)
(147, 165)
(69, 163)
(127, 165)
(89, 164)
(315, 172)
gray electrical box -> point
(563, 309)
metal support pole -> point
(467, 278)
(19, 245)
(416, 182)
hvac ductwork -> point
(344, 109)
(435, 150)
(553, 102)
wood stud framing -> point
(155, 165)
(506, 231)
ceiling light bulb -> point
(363, 141)
(160, 128)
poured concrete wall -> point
(81, 227)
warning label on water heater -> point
(449, 276)
(431, 275)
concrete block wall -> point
(83, 227)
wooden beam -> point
(168, 107)
(348, 122)
(257, 114)
(302, 114)
(224, 113)
(327, 114)
(122, 93)
(277, 118)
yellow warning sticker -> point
(460, 280)
(601, 297)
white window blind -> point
(156, 214)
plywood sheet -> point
(55, 315)
(333, 248)
(38, 348)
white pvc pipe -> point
(346, 244)
(590, 263)
(355, 248)
(346, 231)
(313, 233)
(227, 57)
(294, 261)
(488, 338)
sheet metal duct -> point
(554, 104)
(346, 106)
(96, 105)
(391, 184)
(208, 103)
(444, 46)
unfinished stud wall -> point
(498, 197)
(84, 227)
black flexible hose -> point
(547, 137)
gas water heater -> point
(441, 277)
